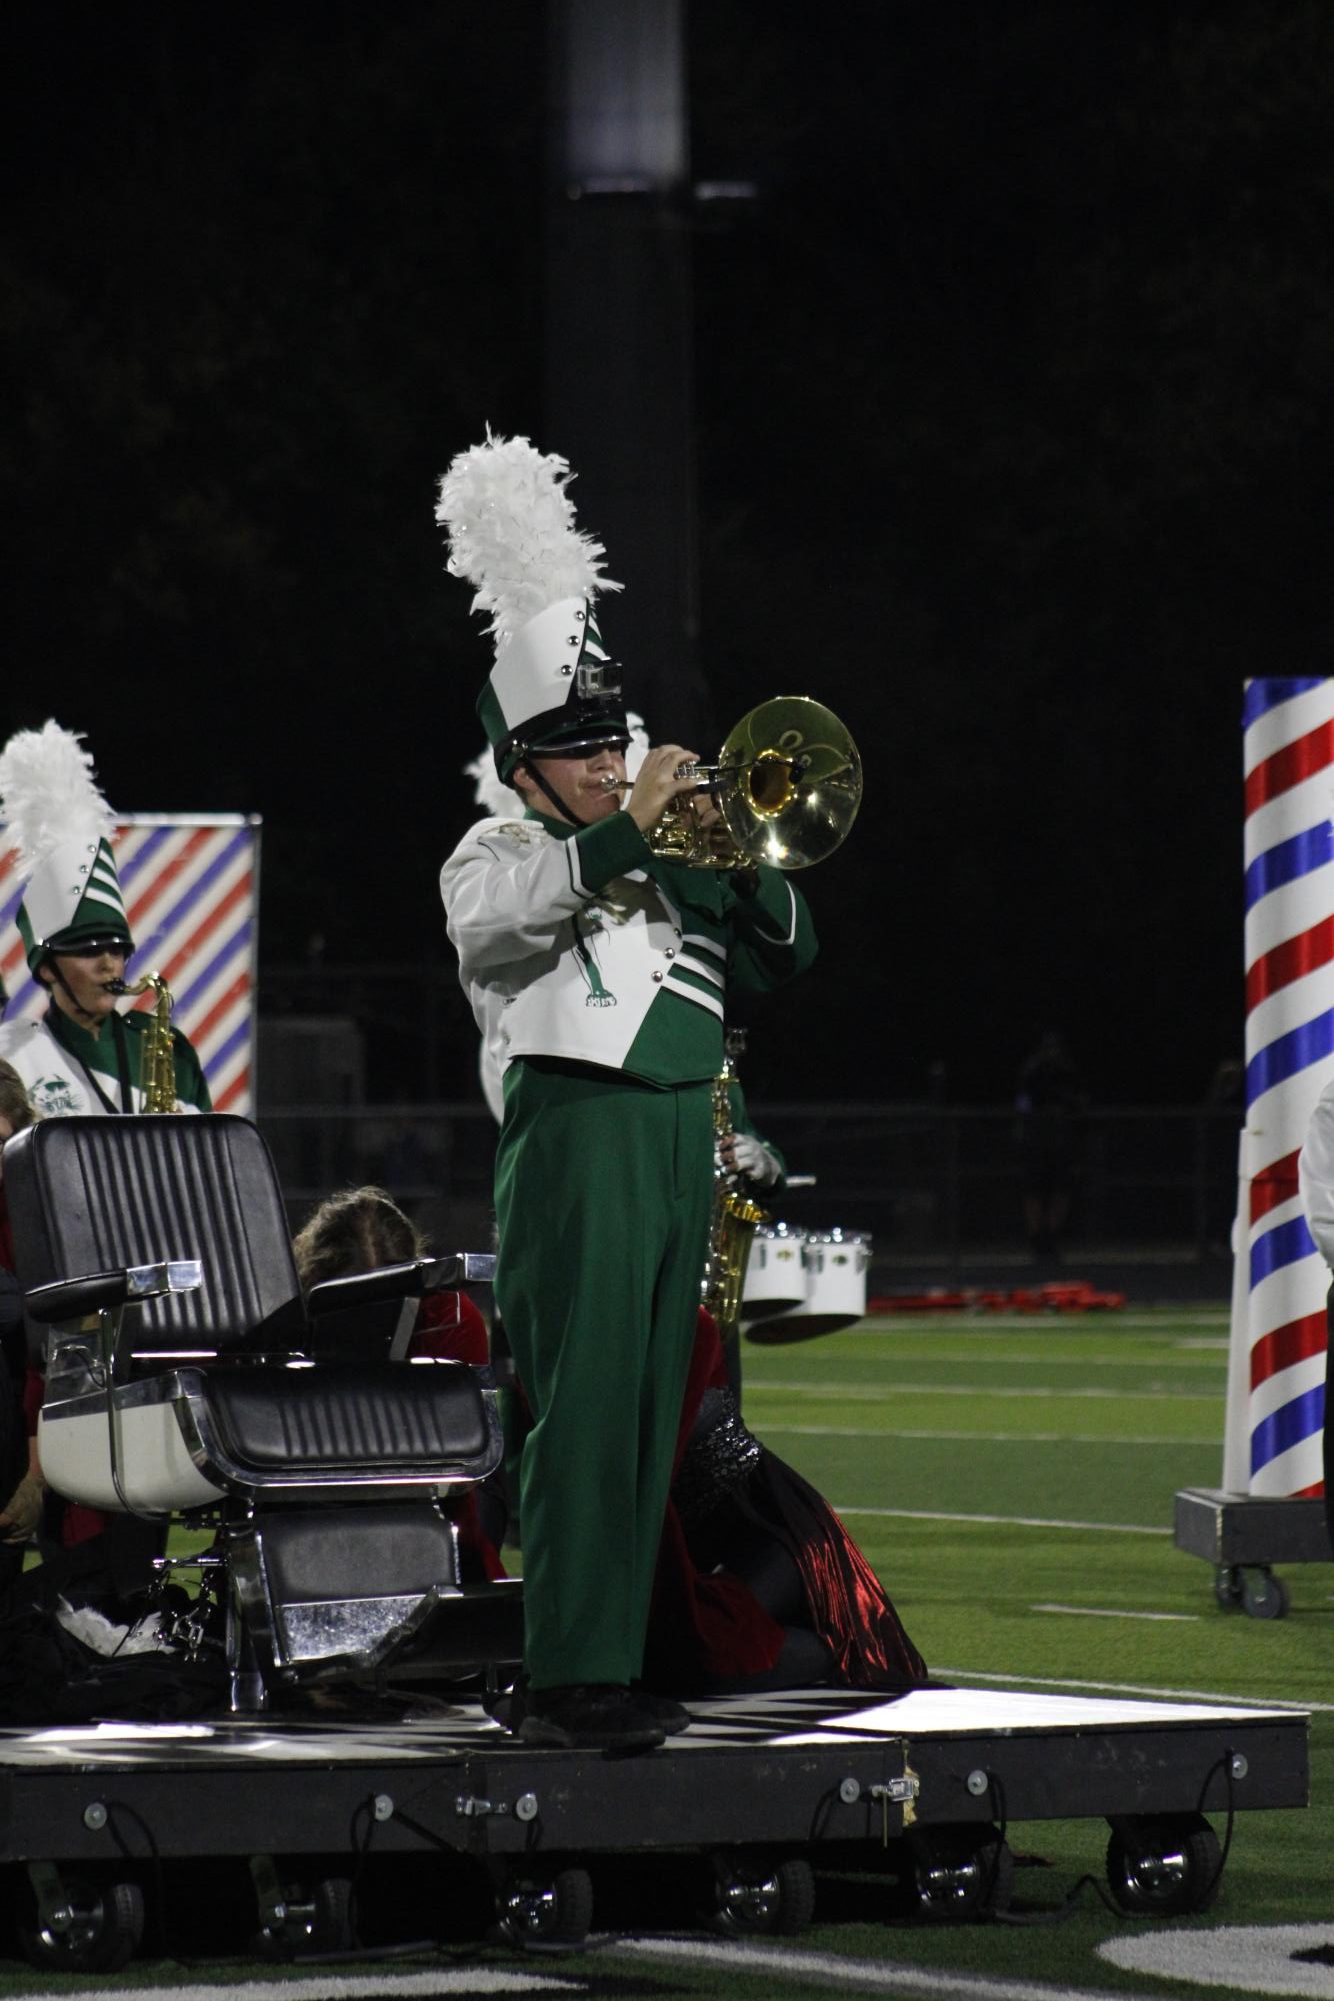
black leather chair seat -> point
(296, 1420)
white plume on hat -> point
(48, 794)
(497, 800)
(512, 532)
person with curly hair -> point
(360, 1229)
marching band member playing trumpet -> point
(81, 1056)
(597, 973)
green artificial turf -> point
(1012, 1482)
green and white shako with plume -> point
(56, 817)
(512, 535)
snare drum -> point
(835, 1263)
(775, 1271)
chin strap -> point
(565, 812)
(79, 1009)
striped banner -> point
(191, 888)
(1276, 1381)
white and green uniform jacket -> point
(69, 1073)
(577, 943)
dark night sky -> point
(1013, 440)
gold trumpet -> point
(788, 783)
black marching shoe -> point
(589, 1716)
(673, 1716)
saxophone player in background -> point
(744, 1167)
(82, 1056)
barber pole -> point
(1276, 1381)
(191, 889)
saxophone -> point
(157, 1072)
(735, 1217)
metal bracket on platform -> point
(473, 1808)
(897, 1792)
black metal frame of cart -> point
(810, 1779)
(1244, 1536)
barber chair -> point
(187, 1376)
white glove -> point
(754, 1160)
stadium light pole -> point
(618, 338)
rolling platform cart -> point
(757, 1795)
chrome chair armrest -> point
(442, 1274)
(109, 1291)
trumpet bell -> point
(788, 782)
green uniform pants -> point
(603, 1194)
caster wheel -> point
(317, 1920)
(1227, 1587)
(96, 1928)
(1163, 1866)
(954, 1874)
(762, 1898)
(547, 1910)
(1263, 1596)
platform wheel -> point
(955, 1874)
(91, 1925)
(1263, 1596)
(554, 1908)
(1164, 1865)
(1227, 1587)
(310, 1918)
(755, 1895)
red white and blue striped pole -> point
(1276, 1387)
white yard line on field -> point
(978, 1437)
(982, 1327)
(882, 1392)
(965, 1676)
(1112, 1612)
(784, 1964)
(1046, 1360)
(372, 1984)
(1000, 1521)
